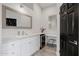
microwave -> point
(11, 22)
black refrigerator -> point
(42, 41)
(69, 33)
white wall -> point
(16, 6)
(36, 18)
(45, 15)
(58, 28)
(0, 26)
(45, 20)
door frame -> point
(58, 29)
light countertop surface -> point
(10, 39)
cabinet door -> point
(5, 49)
(11, 49)
(29, 46)
(25, 51)
(37, 44)
(34, 44)
(14, 48)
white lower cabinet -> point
(30, 46)
(11, 49)
(23, 47)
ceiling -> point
(30, 5)
(47, 5)
(42, 5)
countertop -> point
(10, 39)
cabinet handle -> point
(75, 42)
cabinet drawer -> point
(11, 51)
(11, 48)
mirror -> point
(15, 19)
(52, 22)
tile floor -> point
(46, 51)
